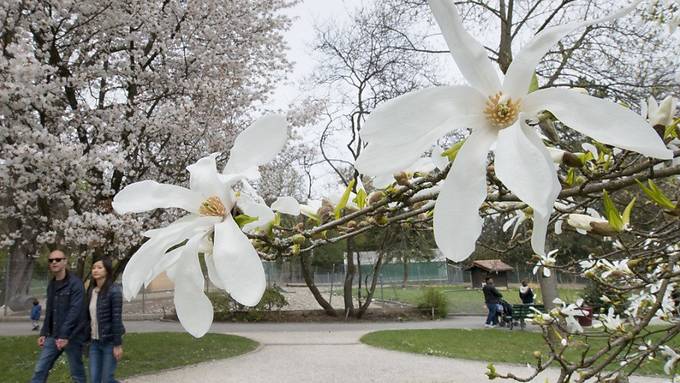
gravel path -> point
(336, 355)
(328, 352)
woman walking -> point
(105, 315)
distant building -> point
(494, 268)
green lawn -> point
(485, 345)
(464, 300)
(143, 353)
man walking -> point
(62, 329)
(492, 297)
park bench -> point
(521, 312)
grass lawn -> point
(464, 300)
(485, 345)
(143, 353)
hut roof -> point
(491, 265)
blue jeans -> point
(102, 362)
(50, 353)
(492, 318)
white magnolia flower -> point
(584, 223)
(546, 261)
(400, 130)
(610, 321)
(232, 261)
(570, 312)
(615, 269)
(659, 113)
(673, 358)
(515, 222)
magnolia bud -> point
(402, 178)
(572, 160)
(548, 128)
(298, 239)
(375, 197)
(602, 228)
(537, 354)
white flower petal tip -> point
(149, 195)
(258, 144)
(286, 205)
(469, 54)
(600, 119)
(194, 309)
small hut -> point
(494, 268)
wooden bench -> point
(521, 312)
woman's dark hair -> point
(108, 266)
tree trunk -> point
(349, 278)
(548, 289)
(20, 272)
(404, 282)
(374, 281)
(359, 278)
(505, 46)
(309, 281)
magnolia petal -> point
(238, 264)
(212, 271)
(258, 144)
(262, 212)
(430, 112)
(457, 223)
(142, 262)
(378, 159)
(469, 54)
(524, 165)
(518, 76)
(399, 131)
(310, 208)
(539, 232)
(205, 180)
(286, 205)
(600, 119)
(167, 261)
(194, 310)
(558, 227)
(148, 195)
(382, 181)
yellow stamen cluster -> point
(213, 207)
(501, 112)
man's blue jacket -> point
(64, 313)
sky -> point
(300, 37)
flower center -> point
(213, 207)
(501, 111)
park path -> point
(322, 352)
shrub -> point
(433, 298)
(226, 308)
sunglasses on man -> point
(55, 260)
